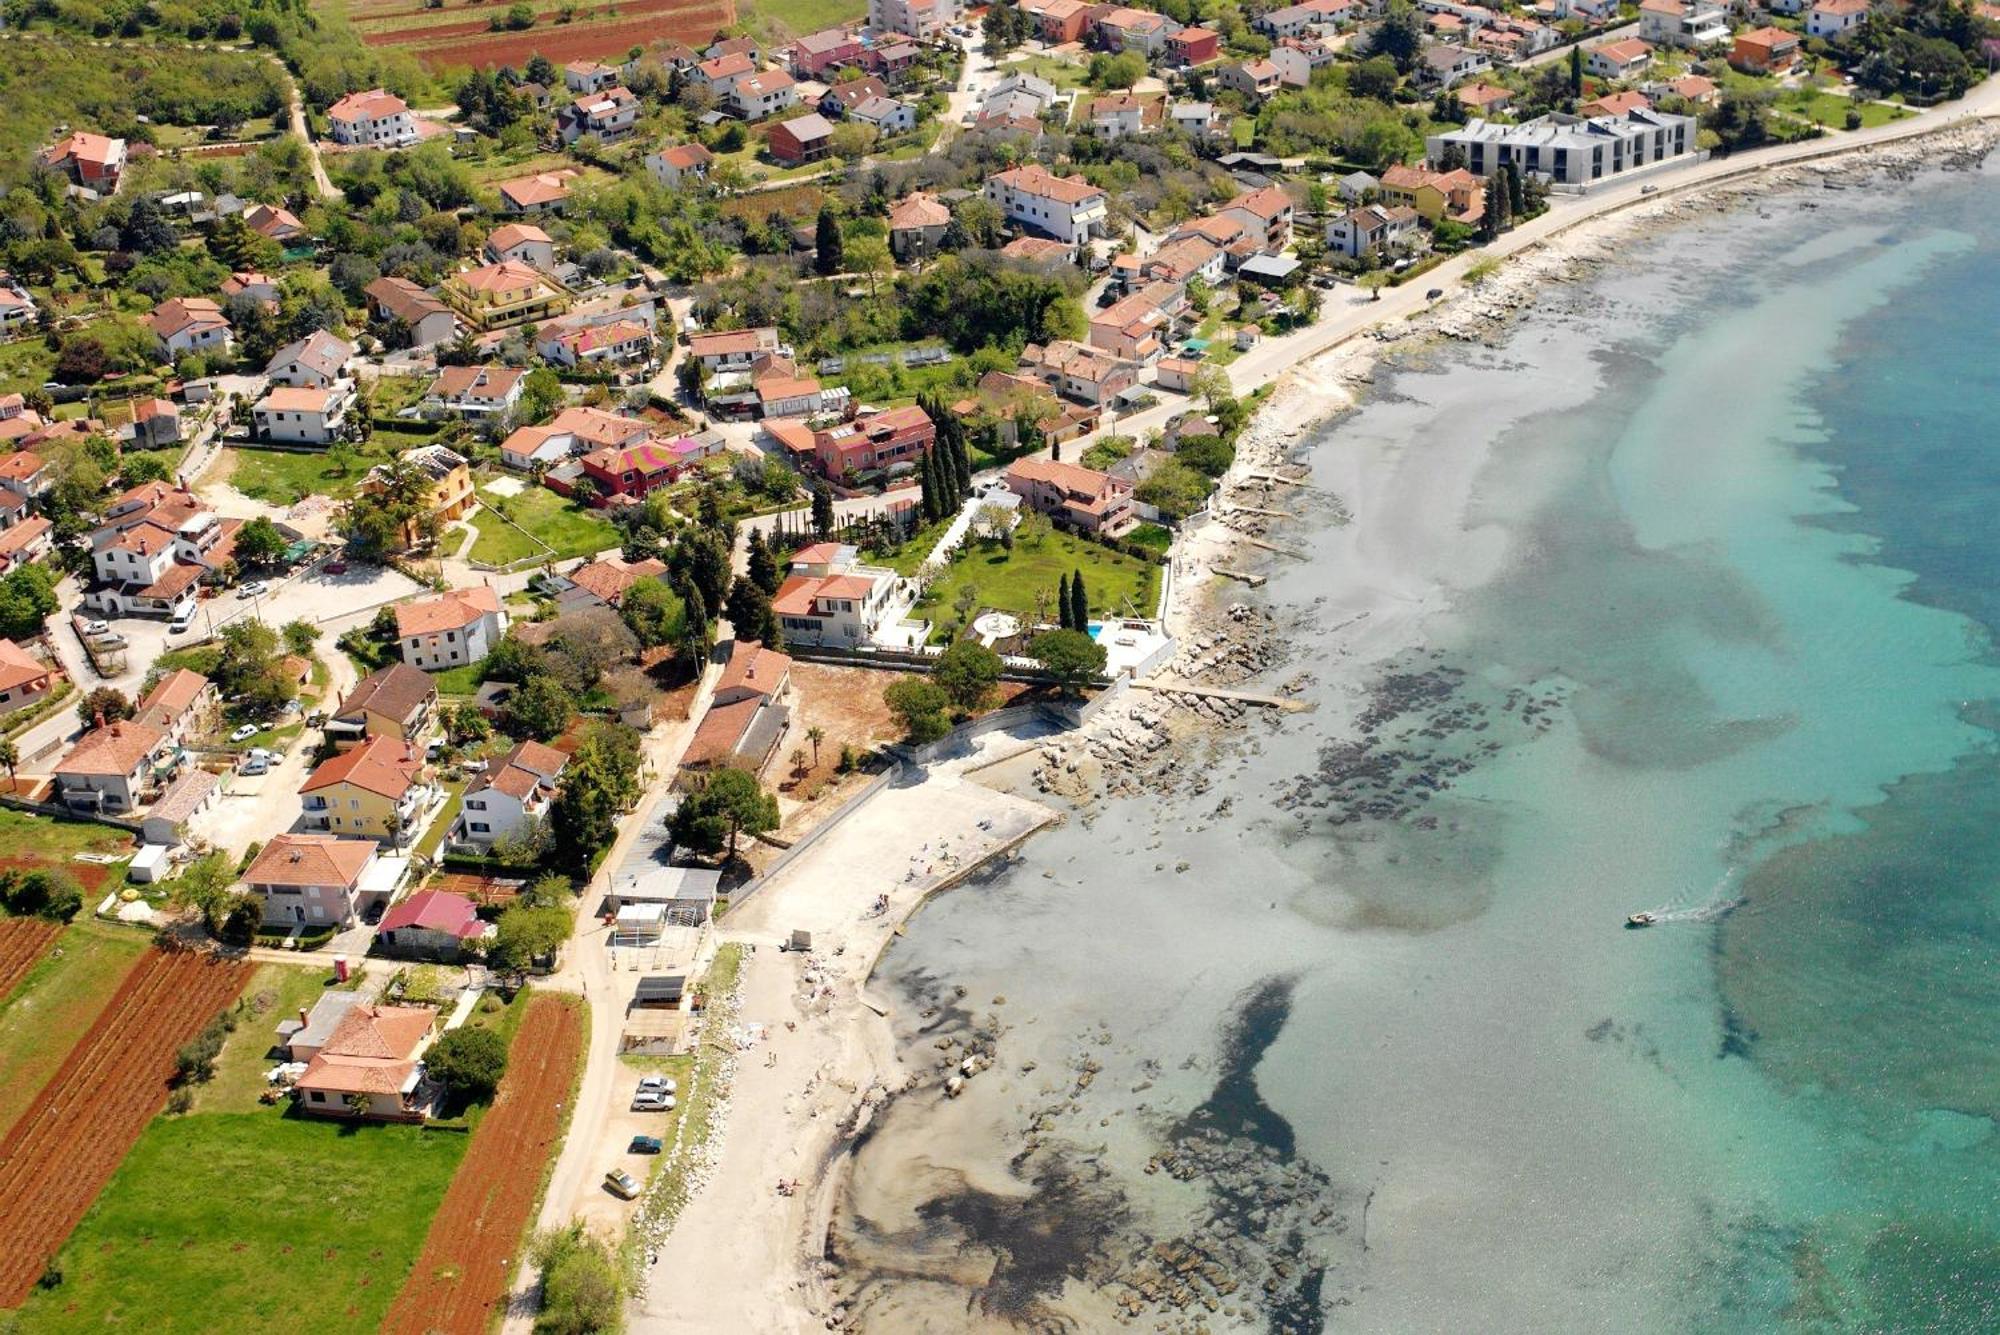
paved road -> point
(587, 970)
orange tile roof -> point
(310, 859)
(379, 765)
(756, 668)
(454, 609)
(116, 748)
(18, 667)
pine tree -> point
(827, 245)
(1062, 603)
(822, 516)
(764, 572)
(1079, 604)
(963, 457)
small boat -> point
(1642, 919)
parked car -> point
(665, 1084)
(244, 732)
(645, 1145)
(97, 628)
(269, 757)
(252, 589)
(622, 1184)
(182, 620)
(652, 1100)
(111, 640)
(253, 766)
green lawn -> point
(800, 17)
(1830, 109)
(1064, 74)
(252, 1221)
(905, 560)
(461, 680)
(571, 530)
(23, 835)
(1010, 580)
(435, 832)
(279, 477)
(25, 365)
(55, 1004)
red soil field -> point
(697, 23)
(22, 941)
(62, 1150)
(391, 33)
(89, 875)
(460, 1281)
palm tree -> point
(10, 756)
(815, 734)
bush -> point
(469, 1061)
(194, 1064)
(46, 892)
(582, 1288)
(919, 704)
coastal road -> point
(587, 971)
(1273, 357)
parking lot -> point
(337, 602)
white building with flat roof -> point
(1569, 150)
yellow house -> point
(1458, 195)
(394, 704)
(495, 296)
(375, 791)
(451, 483)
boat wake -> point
(1721, 901)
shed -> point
(148, 863)
(639, 924)
(166, 821)
(688, 894)
(1271, 270)
(660, 991)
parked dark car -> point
(644, 1145)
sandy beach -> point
(745, 1256)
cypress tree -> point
(1516, 205)
(1576, 71)
(928, 504)
(1079, 604)
(822, 515)
(763, 567)
(964, 457)
(1062, 603)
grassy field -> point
(276, 992)
(25, 364)
(252, 1221)
(45, 838)
(279, 477)
(1010, 580)
(1830, 109)
(55, 1004)
(800, 18)
(571, 530)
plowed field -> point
(63, 1149)
(439, 38)
(22, 941)
(460, 1279)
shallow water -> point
(1361, 1021)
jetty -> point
(1240, 576)
(1260, 698)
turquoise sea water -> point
(1730, 658)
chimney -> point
(99, 716)
(304, 1016)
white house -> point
(376, 118)
(913, 18)
(611, 342)
(116, 767)
(764, 93)
(1371, 229)
(610, 115)
(831, 598)
(680, 163)
(1693, 24)
(886, 114)
(17, 304)
(514, 792)
(523, 243)
(188, 324)
(1831, 18)
(317, 361)
(1067, 208)
(478, 392)
(303, 415)
(457, 627)
(1619, 60)
(734, 349)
